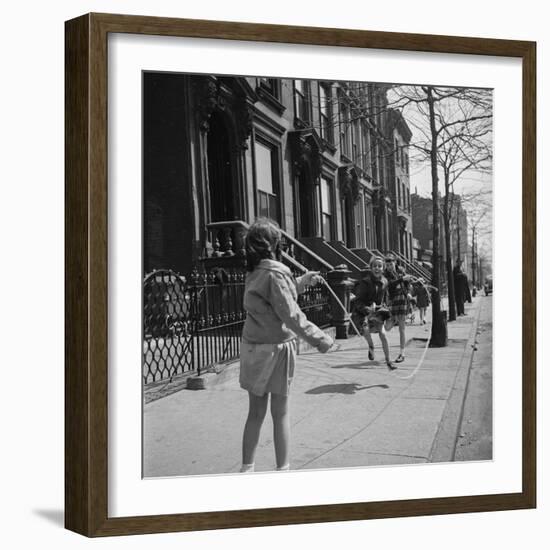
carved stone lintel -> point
(214, 96)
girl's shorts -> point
(375, 320)
(267, 368)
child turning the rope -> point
(369, 307)
(268, 349)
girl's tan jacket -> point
(273, 315)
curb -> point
(444, 444)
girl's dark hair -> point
(263, 241)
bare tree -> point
(453, 130)
(480, 222)
(465, 147)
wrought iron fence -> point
(191, 323)
(315, 303)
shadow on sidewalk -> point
(347, 389)
(361, 366)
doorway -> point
(220, 171)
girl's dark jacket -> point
(369, 290)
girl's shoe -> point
(400, 358)
(371, 354)
(390, 365)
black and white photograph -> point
(249, 288)
(317, 274)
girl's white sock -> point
(247, 468)
(284, 468)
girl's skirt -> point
(399, 305)
(267, 368)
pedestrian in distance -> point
(422, 299)
(370, 309)
(398, 283)
(467, 293)
(268, 349)
(459, 282)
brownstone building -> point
(327, 160)
(422, 214)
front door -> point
(306, 205)
(220, 171)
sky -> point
(470, 183)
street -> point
(475, 440)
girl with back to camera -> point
(268, 349)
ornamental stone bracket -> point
(208, 98)
(348, 180)
(307, 151)
(244, 113)
(402, 221)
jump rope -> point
(348, 317)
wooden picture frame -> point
(86, 359)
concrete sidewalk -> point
(345, 410)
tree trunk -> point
(458, 251)
(449, 255)
(439, 323)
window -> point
(359, 215)
(344, 129)
(326, 207)
(365, 149)
(270, 85)
(325, 109)
(431, 244)
(267, 184)
(355, 141)
(398, 185)
(396, 151)
(302, 100)
(430, 220)
(368, 223)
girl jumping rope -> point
(397, 294)
(369, 306)
(268, 349)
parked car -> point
(488, 286)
